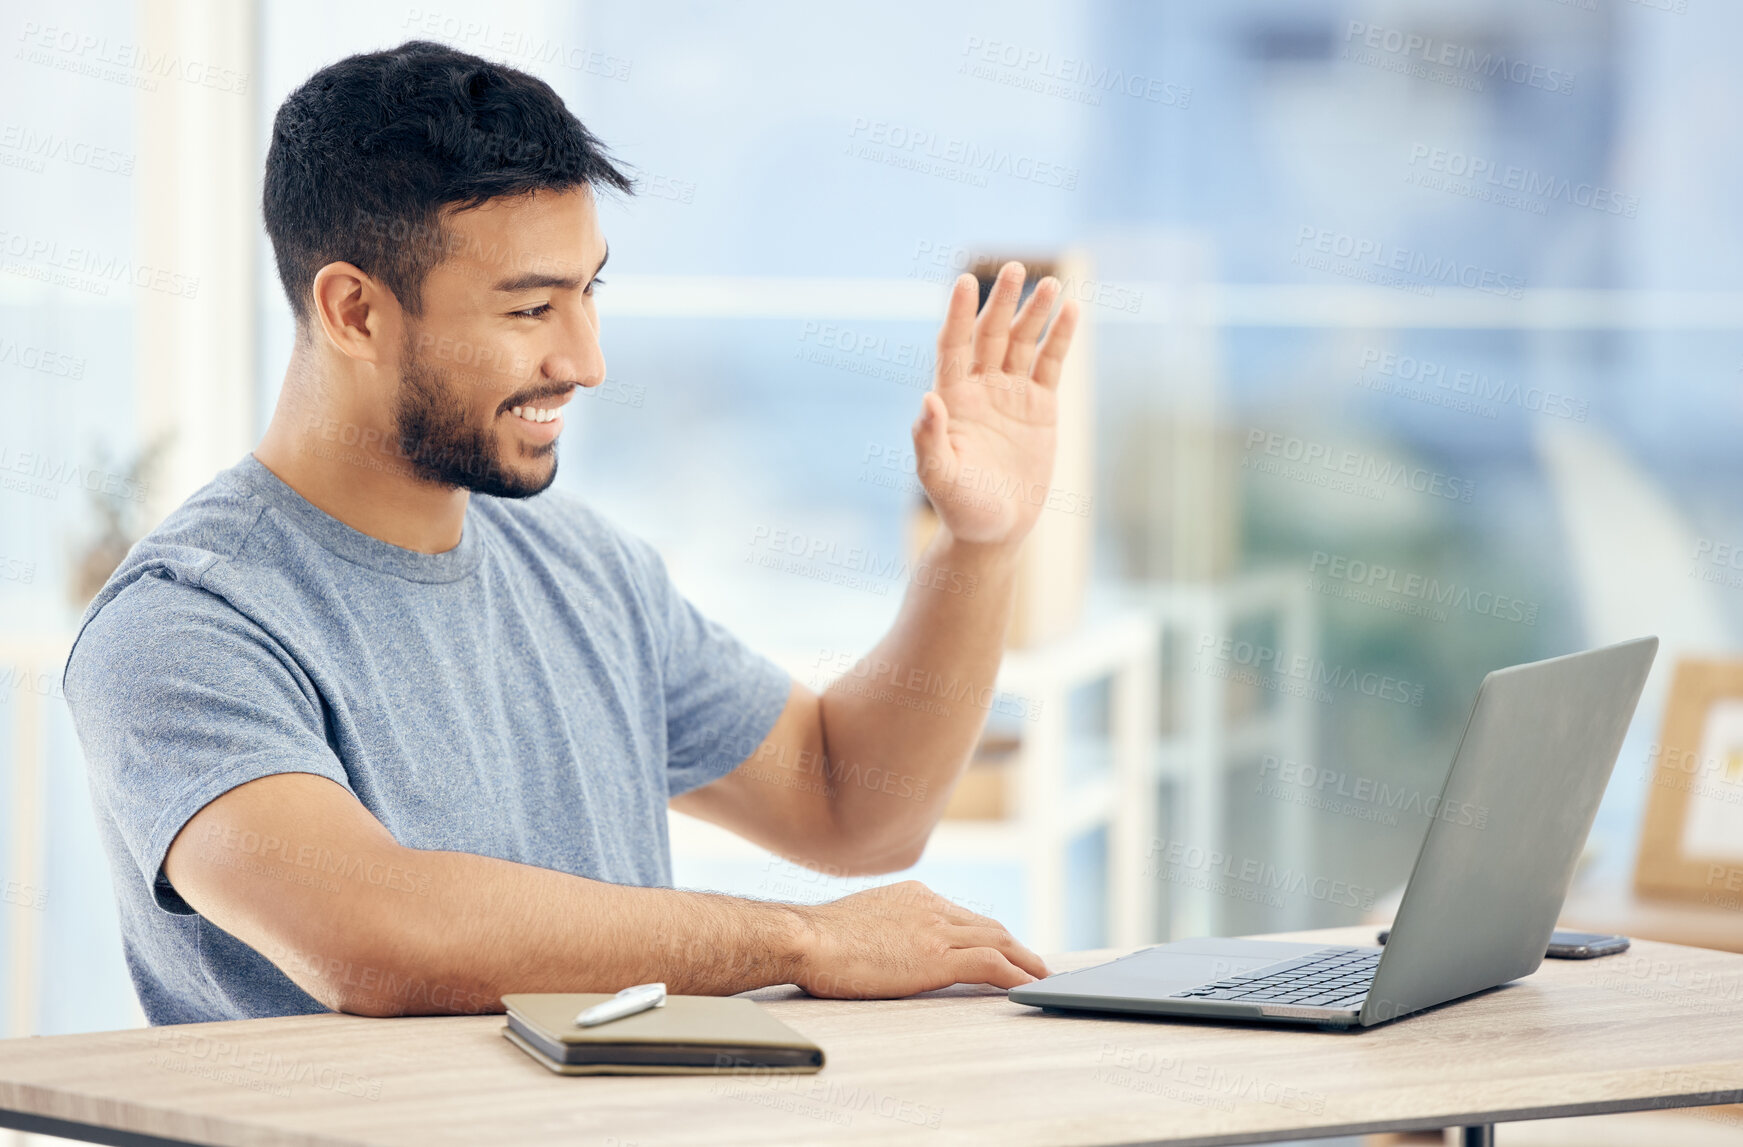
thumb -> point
(932, 451)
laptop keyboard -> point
(1328, 978)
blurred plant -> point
(121, 520)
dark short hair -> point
(367, 154)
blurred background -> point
(1412, 351)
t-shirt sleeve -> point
(722, 697)
(177, 698)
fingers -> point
(1054, 346)
(955, 338)
(985, 966)
(1002, 942)
(1027, 327)
(964, 928)
(992, 332)
(950, 909)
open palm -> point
(985, 437)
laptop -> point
(1481, 903)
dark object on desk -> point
(690, 1035)
(1571, 945)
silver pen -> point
(626, 1003)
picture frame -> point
(1691, 840)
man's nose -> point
(581, 358)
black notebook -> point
(689, 1035)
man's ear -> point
(354, 310)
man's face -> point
(508, 331)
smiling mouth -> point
(543, 408)
(535, 413)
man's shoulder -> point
(207, 529)
(164, 575)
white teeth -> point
(515, 411)
(533, 413)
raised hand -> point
(985, 437)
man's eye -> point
(534, 312)
(597, 282)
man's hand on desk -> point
(905, 938)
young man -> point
(372, 727)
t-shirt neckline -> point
(356, 546)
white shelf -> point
(1198, 756)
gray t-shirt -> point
(535, 694)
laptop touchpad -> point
(1167, 969)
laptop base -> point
(1148, 982)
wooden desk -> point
(1661, 1026)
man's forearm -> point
(486, 927)
(914, 707)
(404, 931)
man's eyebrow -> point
(538, 280)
